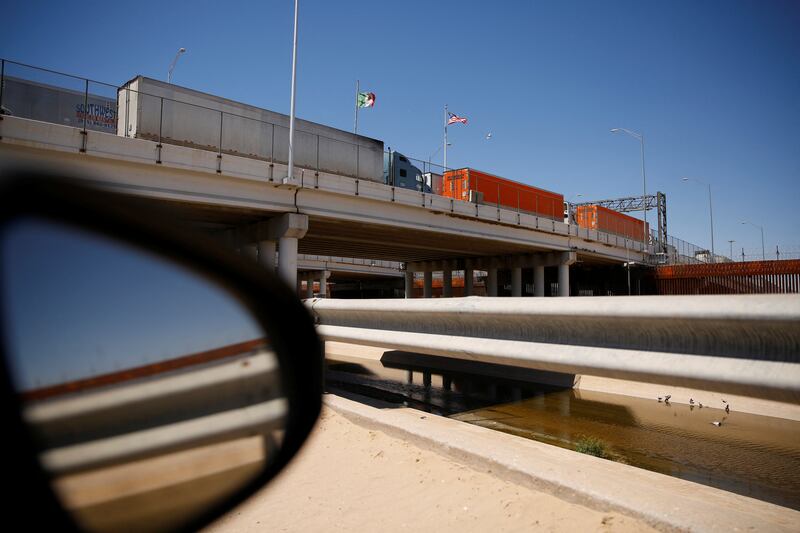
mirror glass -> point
(149, 390)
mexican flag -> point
(366, 99)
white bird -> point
(488, 135)
(667, 397)
(717, 423)
(691, 401)
(659, 399)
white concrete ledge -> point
(667, 503)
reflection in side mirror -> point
(150, 392)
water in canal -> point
(752, 455)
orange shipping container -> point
(604, 219)
(500, 191)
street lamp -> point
(763, 253)
(181, 51)
(640, 138)
(710, 213)
(731, 241)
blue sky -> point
(103, 306)
(713, 85)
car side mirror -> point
(152, 379)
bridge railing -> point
(743, 344)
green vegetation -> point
(591, 446)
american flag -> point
(453, 118)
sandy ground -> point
(349, 478)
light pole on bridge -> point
(710, 213)
(763, 252)
(640, 138)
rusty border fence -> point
(750, 277)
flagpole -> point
(444, 167)
(358, 89)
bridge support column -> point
(538, 280)
(467, 281)
(563, 280)
(447, 281)
(567, 258)
(266, 254)
(491, 282)
(287, 260)
(409, 284)
(251, 251)
(427, 288)
(516, 281)
(309, 288)
(288, 229)
(323, 284)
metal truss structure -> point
(657, 201)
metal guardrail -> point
(747, 345)
(167, 413)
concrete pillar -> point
(309, 288)
(491, 282)
(409, 284)
(287, 229)
(323, 284)
(516, 281)
(447, 282)
(567, 258)
(251, 251)
(468, 281)
(287, 260)
(538, 280)
(563, 279)
(266, 254)
(427, 289)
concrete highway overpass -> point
(250, 203)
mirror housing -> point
(147, 226)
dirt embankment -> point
(350, 478)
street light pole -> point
(290, 163)
(640, 138)
(763, 251)
(730, 241)
(710, 214)
(181, 50)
